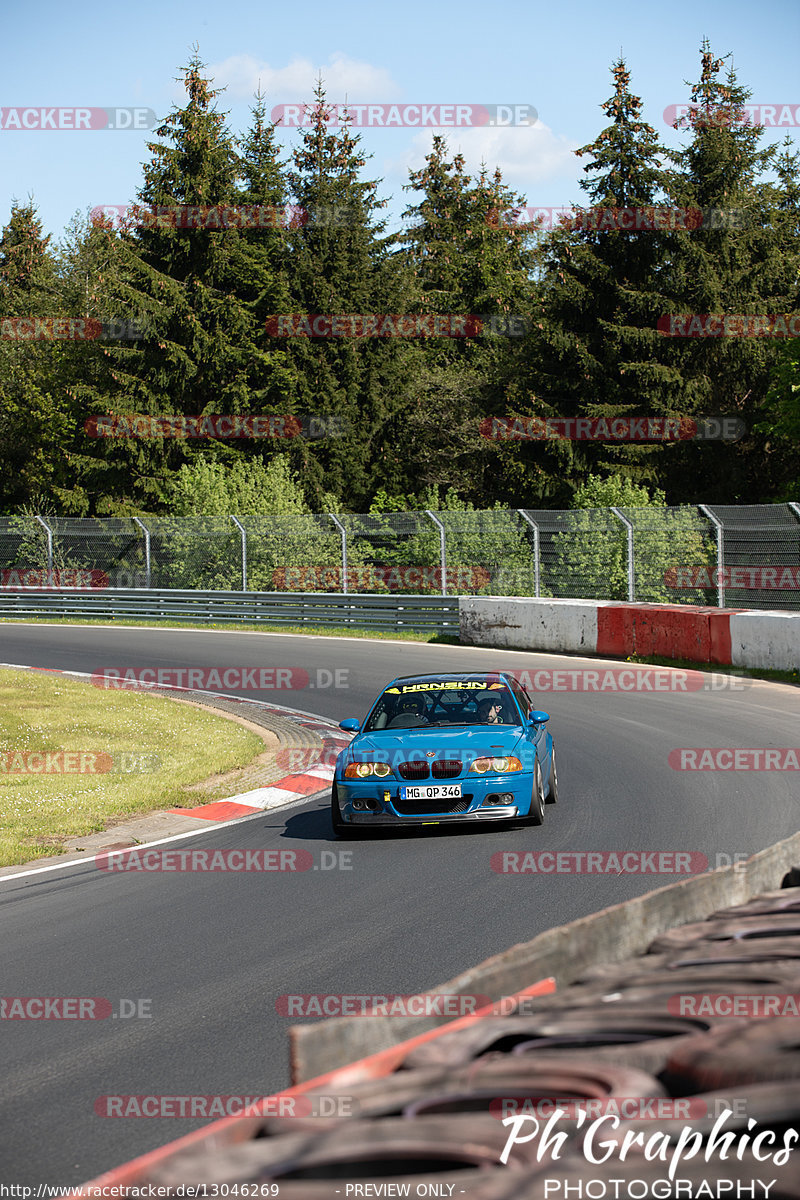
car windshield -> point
(466, 702)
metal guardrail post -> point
(720, 528)
(343, 532)
(442, 548)
(146, 533)
(42, 521)
(631, 575)
(535, 529)
(243, 532)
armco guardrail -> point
(438, 614)
(595, 627)
(736, 556)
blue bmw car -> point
(441, 748)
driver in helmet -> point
(415, 705)
(492, 709)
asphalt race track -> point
(212, 952)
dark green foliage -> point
(412, 414)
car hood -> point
(458, 741)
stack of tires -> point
(673, 1074)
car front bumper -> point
(388, 809)
(494, 812)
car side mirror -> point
(350, 725)
(536, 717)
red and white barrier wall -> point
(733, 637)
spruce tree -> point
(202, 349)
(465, 260)
(36, 421)
(596, 351)
(340, 264)
(742, 260)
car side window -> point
(521, 696)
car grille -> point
(416, 808)
(413, 770)
(446, 768)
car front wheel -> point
(339, 828)
(552, 795)
(536, 815)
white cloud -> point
(344, 78)
(527, 155)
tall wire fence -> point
(744, 556)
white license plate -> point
(432, 791)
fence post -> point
(631, 575)
(795, 509)
(343, 532)
(442, 548)
(146, 533)
(535, 529)
(243, 532)
(42, 521)
(715, 521)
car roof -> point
(448, 676)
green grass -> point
(43, 714)
(250, 627)
(750, 673)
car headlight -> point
(367, 770)
(504, 766)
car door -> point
(535, 735)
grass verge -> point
(249, 627)
(111, 755)
(685, 664)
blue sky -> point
(554, 57)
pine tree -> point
(200, 352)
(465, 260)
(36, 421)
(340, 264)
(262, 266)
(743, 260)
(596, 352)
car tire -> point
(552, 795)
(536, 815)
(339, 828)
